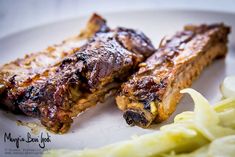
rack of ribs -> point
(151, 94)
(58, 92)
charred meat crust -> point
(133, 118)
(98, 63)
(83, 78)
(153, 91)
(16, 76)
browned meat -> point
(81, 79)
(20, 73)
(151, 95)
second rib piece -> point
(151, 95)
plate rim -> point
(104, 14)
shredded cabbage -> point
(228, 87)
(221, 147)
(206, 119)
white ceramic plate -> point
(103, 124)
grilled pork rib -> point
(19, 74)
(151, 95)
(83, 78)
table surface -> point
(18, 15)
